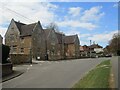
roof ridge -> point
(29, 24)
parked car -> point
(108, 55)
(38, 58)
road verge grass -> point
(96, 78)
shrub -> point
(118, 52)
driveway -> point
(53, 74)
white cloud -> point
(75, 24)
(79, 17)
(85, 35)
(26, 12)
(74, 11)
(93, 14)
(2, 32)
(34, 11)
(84, 42)
(104, 37)
(115, 5)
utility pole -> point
(90, 48)
(46, 55)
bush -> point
(118, 52)
(5, 53)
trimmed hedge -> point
(5, 53)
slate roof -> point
(84, 48)
(25, 29)
(60, 37)
(19, 24)
(70, 39)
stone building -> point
(71, 46)
(51, 44)
(29, 41)
(25, 40)
(54, 44)
(60, 46)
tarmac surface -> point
(52, 74)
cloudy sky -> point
(96, 21)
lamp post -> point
(90, 48)
(46, 55)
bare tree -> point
(115, 44)
(52, 26)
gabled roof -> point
(70, 39)
(19, 24)
(59, 37)
(25, 29)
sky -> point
(96, 21)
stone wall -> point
(12, 37)
(25, 45)
(38, 42)
(20, 58)
(70, 51)
(6, 69)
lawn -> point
(96, 78)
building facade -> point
(32, 41)
(51, 44)
(25, 40)
(71, 46)
(84, 51)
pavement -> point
(51, 74)
(116, 71)
(18, 70)
(12, 75)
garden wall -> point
(19, 58)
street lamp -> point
(90, 48)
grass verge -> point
(96, 78)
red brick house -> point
(84, 50)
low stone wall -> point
(6, 69)
(19, 58)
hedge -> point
(5, 53)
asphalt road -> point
(53, 74)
